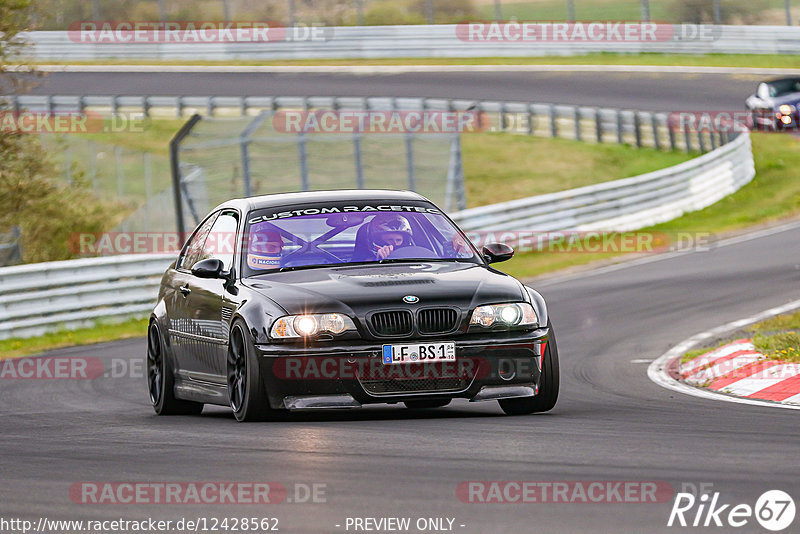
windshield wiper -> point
(314, 266)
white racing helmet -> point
(389, 222)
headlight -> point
(786, 109)
(295, 326)
(514, 314)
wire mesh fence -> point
(111, 170)
(137, 179)
(225, 158)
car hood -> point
(365, 288)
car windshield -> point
(345, 233)
(784, 87)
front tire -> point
(161, 380)
(547, 396)
(246, 391)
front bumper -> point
(351, 374)
(345, 400)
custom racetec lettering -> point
(342, 209)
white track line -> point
(400, 69)
(658, 374)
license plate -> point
(427, 352)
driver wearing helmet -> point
(388, 232)
(265, 249)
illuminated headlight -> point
(786, 109)
(295, 326)
(514, 314)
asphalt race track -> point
(631, 90)
(611, 422)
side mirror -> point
(209, 268)
(497, 252)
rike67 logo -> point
(774, 510)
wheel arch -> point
(257, 315)
(539, 306)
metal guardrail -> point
(583, 123)
(628, 204)
(441, 40)
(47, 296)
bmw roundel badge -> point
(410, 299)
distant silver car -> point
(774, 106)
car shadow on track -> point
(374, 413)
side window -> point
(221, 241)
(194, 248)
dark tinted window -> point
(193, 250)
(220, 242)
(784, 87)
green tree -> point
(47, 209)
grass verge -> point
(505, 166)
(776, 338)
(107, 331)
(773, 194)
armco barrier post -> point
(531, 119)
(687, 139)
(598, 125)
(654, 125)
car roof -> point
(310, 197)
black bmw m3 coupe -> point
(338, 299)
